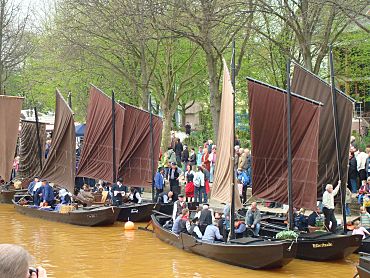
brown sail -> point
(268, 123)
(135, 160)
(309, 85)
(60, 165)
(10, 112)
(96, 158)
(223, 177)
(29, 163)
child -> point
(358, 230)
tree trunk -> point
(214, 96)
(166, 132)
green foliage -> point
(289, 235)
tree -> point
(14, 39)
(211, 24)
(315, 23)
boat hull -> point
(102, 216)
(6, 196)
(259, 255)
(363, 268)
(136, 212)
(321, 247)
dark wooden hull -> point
(136, 212)
(6, 196)
(363, 268)
(101, 216)
(365, 246)
(259, 255)
(321, 247)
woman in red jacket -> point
(205, 160)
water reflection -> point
(72, 251)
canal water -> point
(110, 252)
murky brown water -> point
(72, 251)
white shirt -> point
(361, 160)
(137, 195)
(328, 198)
(37, 186)
(199, 179)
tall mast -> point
(289, 142)
(114, 138)
(151, 144)
(70, 100)
(337, 142)
(38, 138)
(232, 209)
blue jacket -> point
(47, 193)
(30, 187)
(158, 180)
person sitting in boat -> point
(118, 191)
(179, 225)
(313, 217)
(164, 197)
(300, 221)
(159, 181)
(178, 206)
(65, 198)
(359, 230)
(365, 218)
(46, 193)
(253, 218)
(212, 233)
(32, 184)
(205, 218)
(85, 196)
(193, 228)
(328, 206)
(240, 228)
(135, 196)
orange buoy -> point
(129, 225)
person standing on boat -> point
(205, 218)
(178, 206)
(32, 184)
(135, 196)
(159, 181)
(173, 178)
(118, 191)
(253, 218)
(47, 194)
(328, 206)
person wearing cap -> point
(118, 190)
(173, 178)
(32, 185)
(178, 206)
(46, 193)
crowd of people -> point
(46, 196)
(196, 170)
(211, 226)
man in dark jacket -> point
(185, 155)
(178, 151)
(173, 178)
(352, 172)
(205, 218)
(47, 194)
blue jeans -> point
(257, 226)
(211, 172)
(353, 183)
(197, 195)
(348, 210)
(203, 192)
